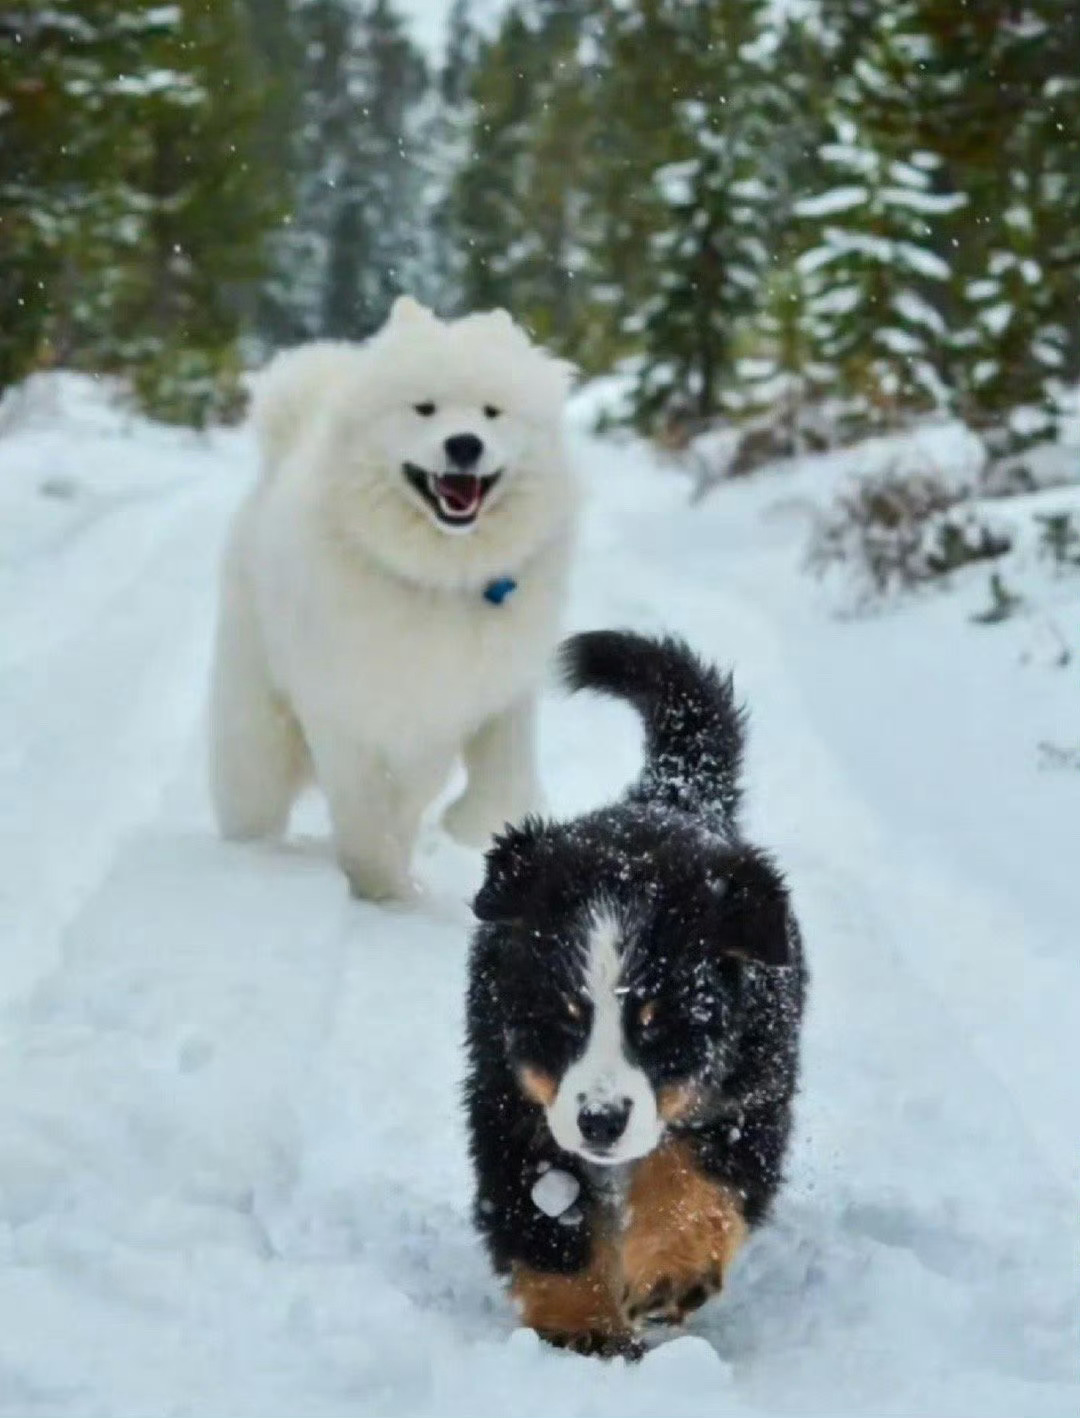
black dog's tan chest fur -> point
(662, 1242)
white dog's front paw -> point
(473, 821)
(469, 822)
(368, 882)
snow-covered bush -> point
(900, 529)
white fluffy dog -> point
(393, 587)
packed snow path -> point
(232, 1165)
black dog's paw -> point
(670, 1300)
(600, 1344)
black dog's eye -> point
(573, 1009)
(426, 409)
(491, 412)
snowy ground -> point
(232, 1174)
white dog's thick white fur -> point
(355, 643)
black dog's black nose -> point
(463, 449)
(600, 1127)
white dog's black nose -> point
(601, 1127)
(463, 449)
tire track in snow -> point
(91, 725)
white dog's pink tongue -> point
(459, 493)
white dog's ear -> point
(408, 309)
(564, 370)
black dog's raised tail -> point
(694, 731)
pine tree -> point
(784, 387)
(132, 196)
(462, 45)
(446, 133)
(879, 231)
(209, 204)
(277, 56)
(374, 239)
(31, 96)
(517, 207)
(1008, 126)
(551, 269)
(782, 378)
(640, 70)
(708, 257)
(946, 240)
(74, 86)
(352, 241)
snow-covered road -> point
(232, 1170)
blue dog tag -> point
(497, 591)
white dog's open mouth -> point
(455, 498)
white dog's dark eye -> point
(491, 412)
(426, 409)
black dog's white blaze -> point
(603, 1084)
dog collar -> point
(497, 591)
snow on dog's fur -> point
(401, 478)
(636, 990)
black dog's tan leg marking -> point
(683, 1231)
(577, 1311)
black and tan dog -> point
(635, 996)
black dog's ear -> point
(514, 866)
(751, 914)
